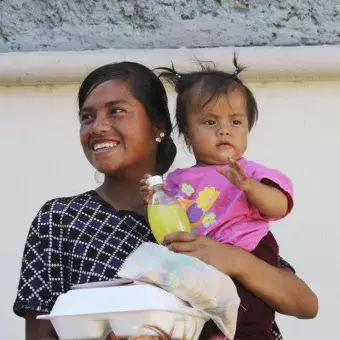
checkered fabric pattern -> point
(72, 241)
(276, 332)
(77, 240)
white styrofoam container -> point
(78, 327)
(92, 313)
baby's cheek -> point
(242, 146)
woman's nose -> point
(101, 125)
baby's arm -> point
(269, 200)
(265, 195)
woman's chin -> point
(107, 169)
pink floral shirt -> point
(217, 208)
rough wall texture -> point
(35, 25)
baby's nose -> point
(223, 131)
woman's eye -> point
(209, 122)
(85, 117)
(115, 111)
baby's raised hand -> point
(235, 175)
(144, 189)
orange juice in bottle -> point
(165, 213)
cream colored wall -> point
(297, 133)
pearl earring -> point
(159, 139)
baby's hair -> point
(159, 334)
(213, 82)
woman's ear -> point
(159, 132)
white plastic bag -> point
(201, 285)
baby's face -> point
(219, 130)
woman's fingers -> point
(179, 236)
(112, 336)
(183, 247)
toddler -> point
(227, 197)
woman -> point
(125, 132)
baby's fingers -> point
(233, 175)
(144, 189)
(144, 181)
(222, 171)
(145, 193)
(235, 165)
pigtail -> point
(238, 68)
(210, 80)
(170, 75)
(207, 66)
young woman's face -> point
(218, 130)
(115, 131)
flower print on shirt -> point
(207, 198)
(209, 219)
(187, 189)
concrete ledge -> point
(313, 63)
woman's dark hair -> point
(146, 87)
(211, 81)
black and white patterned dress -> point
(76, 240)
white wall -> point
(297, 133)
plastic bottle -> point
(165, 213)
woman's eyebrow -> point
(108, 104)
(88, 109)
(118, 101)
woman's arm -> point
(35, 299)
(279, 288)
(38, 329)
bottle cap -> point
(155, 180)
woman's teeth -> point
(104, 145)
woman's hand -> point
(111, 336)
(223, 257)
(38, 329)
(279, 288)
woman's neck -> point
(122, 193)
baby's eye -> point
(209, 122)
(236, 122)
